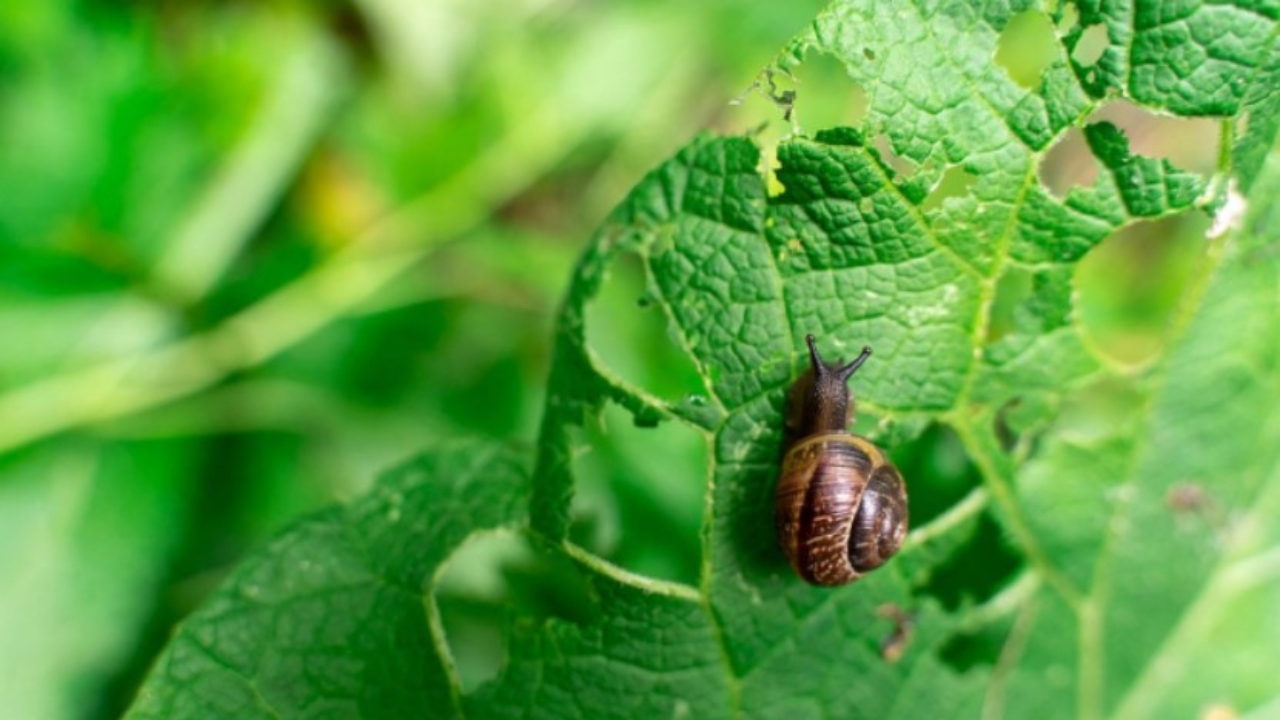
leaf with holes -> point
(1108, 541)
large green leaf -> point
(1137, 540)
(330, 619)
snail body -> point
(841, 506)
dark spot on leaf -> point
(1019, 422)
(1004, 433)
(1195, 508)
(1187, 497)
(894, 645)
(868, 53)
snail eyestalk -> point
(847, 371)
(844, 372)
(818, 366)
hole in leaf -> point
(1019, 416)
(759, 111)
(977, 647)
(473, 631)
(902, 167)
(955, 182)
(1027, 45)
(1189, 143)
(1003, 428)
(773, 92)
(828, 97)
(627, 327)
(1069, 18)
(1013, 289)
(639, 498)
(978, 570)
(938, 472)
(1092, 43)
(982, 646)
(1130, 285)
(471, 598)
(1099, 410)
(493, 578)
(1068, 164)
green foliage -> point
(329, 619)
(251, 254)
(1107, 539)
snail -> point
(841, 507)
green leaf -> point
(89, 528)
(1136, 506)
(647, 636)
(336, 617)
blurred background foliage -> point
(253, 253)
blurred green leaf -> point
(188, 185)
(89, 532)
(1136, 509)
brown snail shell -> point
(841, 506)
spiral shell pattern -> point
(841, 508)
